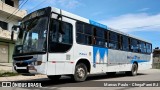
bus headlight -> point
(36, 63)
(39, 62)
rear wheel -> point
(133, 71)
(54, 77)
(80, 73)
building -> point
(7, 20)
(156, 58)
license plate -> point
(21, 67)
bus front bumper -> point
(25, 67)
(25, 70)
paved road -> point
(65, 83)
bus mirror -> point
(61, 28)
(59, 16)
(20, 35)
(12, 35)
(15, 27)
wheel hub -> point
(80, 72)
(134, 69)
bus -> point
(55, 42)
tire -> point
(80, 73)
(133, 71)
(54, 77)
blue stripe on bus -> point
(139, 61)
(97, 24)
(99, 55)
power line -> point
(37, 5)
(16, 11)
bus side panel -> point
(99, 61)
(145, 63)
(83, 52)
(122, 61)
(51, 68)
(117, 61)
(60, 63)
(42, 69)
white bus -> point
(54, 42)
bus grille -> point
(23, 58)
(21, 64)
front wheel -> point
(80, 72)
(133, 71)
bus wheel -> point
(133, 71)
(80, 72)
(54, 77)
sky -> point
(140, 18)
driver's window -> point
(54, 30)
(60, 36)
(61, 32)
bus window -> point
(106, 38)
(53, 31)
(80, 38)
(98, 37)
(119, 42)
(67, 35)
(84, 33)
(100, 42)
(149, 48)
(125, 43)
(60, 40)
(88, 40)
(88, 29)
(100, 32)
(79, 27)
(134, 45)
(142, 47)
(113, 40)
(84, 39)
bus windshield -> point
(32, 36)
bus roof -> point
(82, 19)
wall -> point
(4, 50)
(16, 3)
(6, 11)
(11, 50)
(156, 59)
(10, 22)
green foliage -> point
(8, 74)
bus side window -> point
(149, 48)
(98, 36)
(113, 40)
(88, 34)
(83, 33)
(60, 36)
(106, 38)
(53, 30)
(67, 35)
(142, 47)
(79, 27)
(94, 35)
(125, 43)
(119, 42)
(87, 29)
(134, 45)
